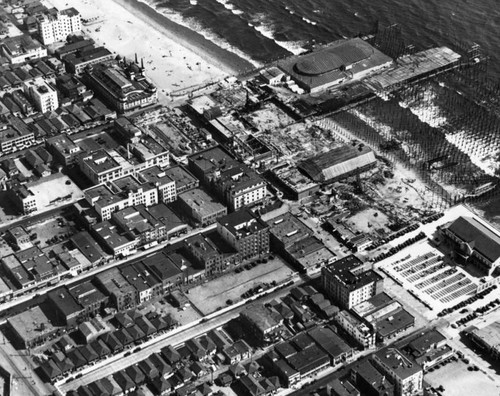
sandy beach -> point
(172, 58)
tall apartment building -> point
(349, 281)
(55, 25)
(404, 372)
(44, 96)
(246, 233)
(234, 182)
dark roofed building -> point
(67, 310)
(263, 323)
(112, 342)
(371, 381)
(309, 361)
(488, 338)
(331, 343)
(339, 163)
(475, 240)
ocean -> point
(261, 31)
(265, 30)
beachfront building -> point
(44, 96)
(474, 241)
(55, 25)
(337, 63)
(20, 49)
(122, 86)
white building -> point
(356, 329)
(44, 96)
(120, 194)
(22, 49)
(54, 25)
(404, 372)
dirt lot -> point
(368, 220)
(458, 381)
(50, 229)
(214, 294)
(183, 317)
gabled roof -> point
(124, 320)
(64, 363)
(158, 322)
(112, 341)
(145, 325)
(76, 358)
(148, 368)
(161, 385)
(50, 369)
(135, 374)
(478, 236)
(124, 380)
(124, 336)
(170, 354)
(88, 353)
(136, 333)
(100, 347)
(184, 374)
(162, 366)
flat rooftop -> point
(411, 66)
(288, 229)
(399, 363)
(101, 162)
(243, 223)
(351, 272)
(31, 324)
(200, 202)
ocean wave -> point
(193, 24)
(482, 155)
(261, 23)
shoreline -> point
(189, 39)
(176, 58)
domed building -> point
(337, 63)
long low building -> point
(339, 163)
(475, 241)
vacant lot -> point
(458, 381)
(214, 294)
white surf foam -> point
(193, 24)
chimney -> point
(136, 61)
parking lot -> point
(457, 380)
(426, 273)
(211, 296)
(51, 231)
(185, 316)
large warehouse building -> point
(338, 163)
(337, 63)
